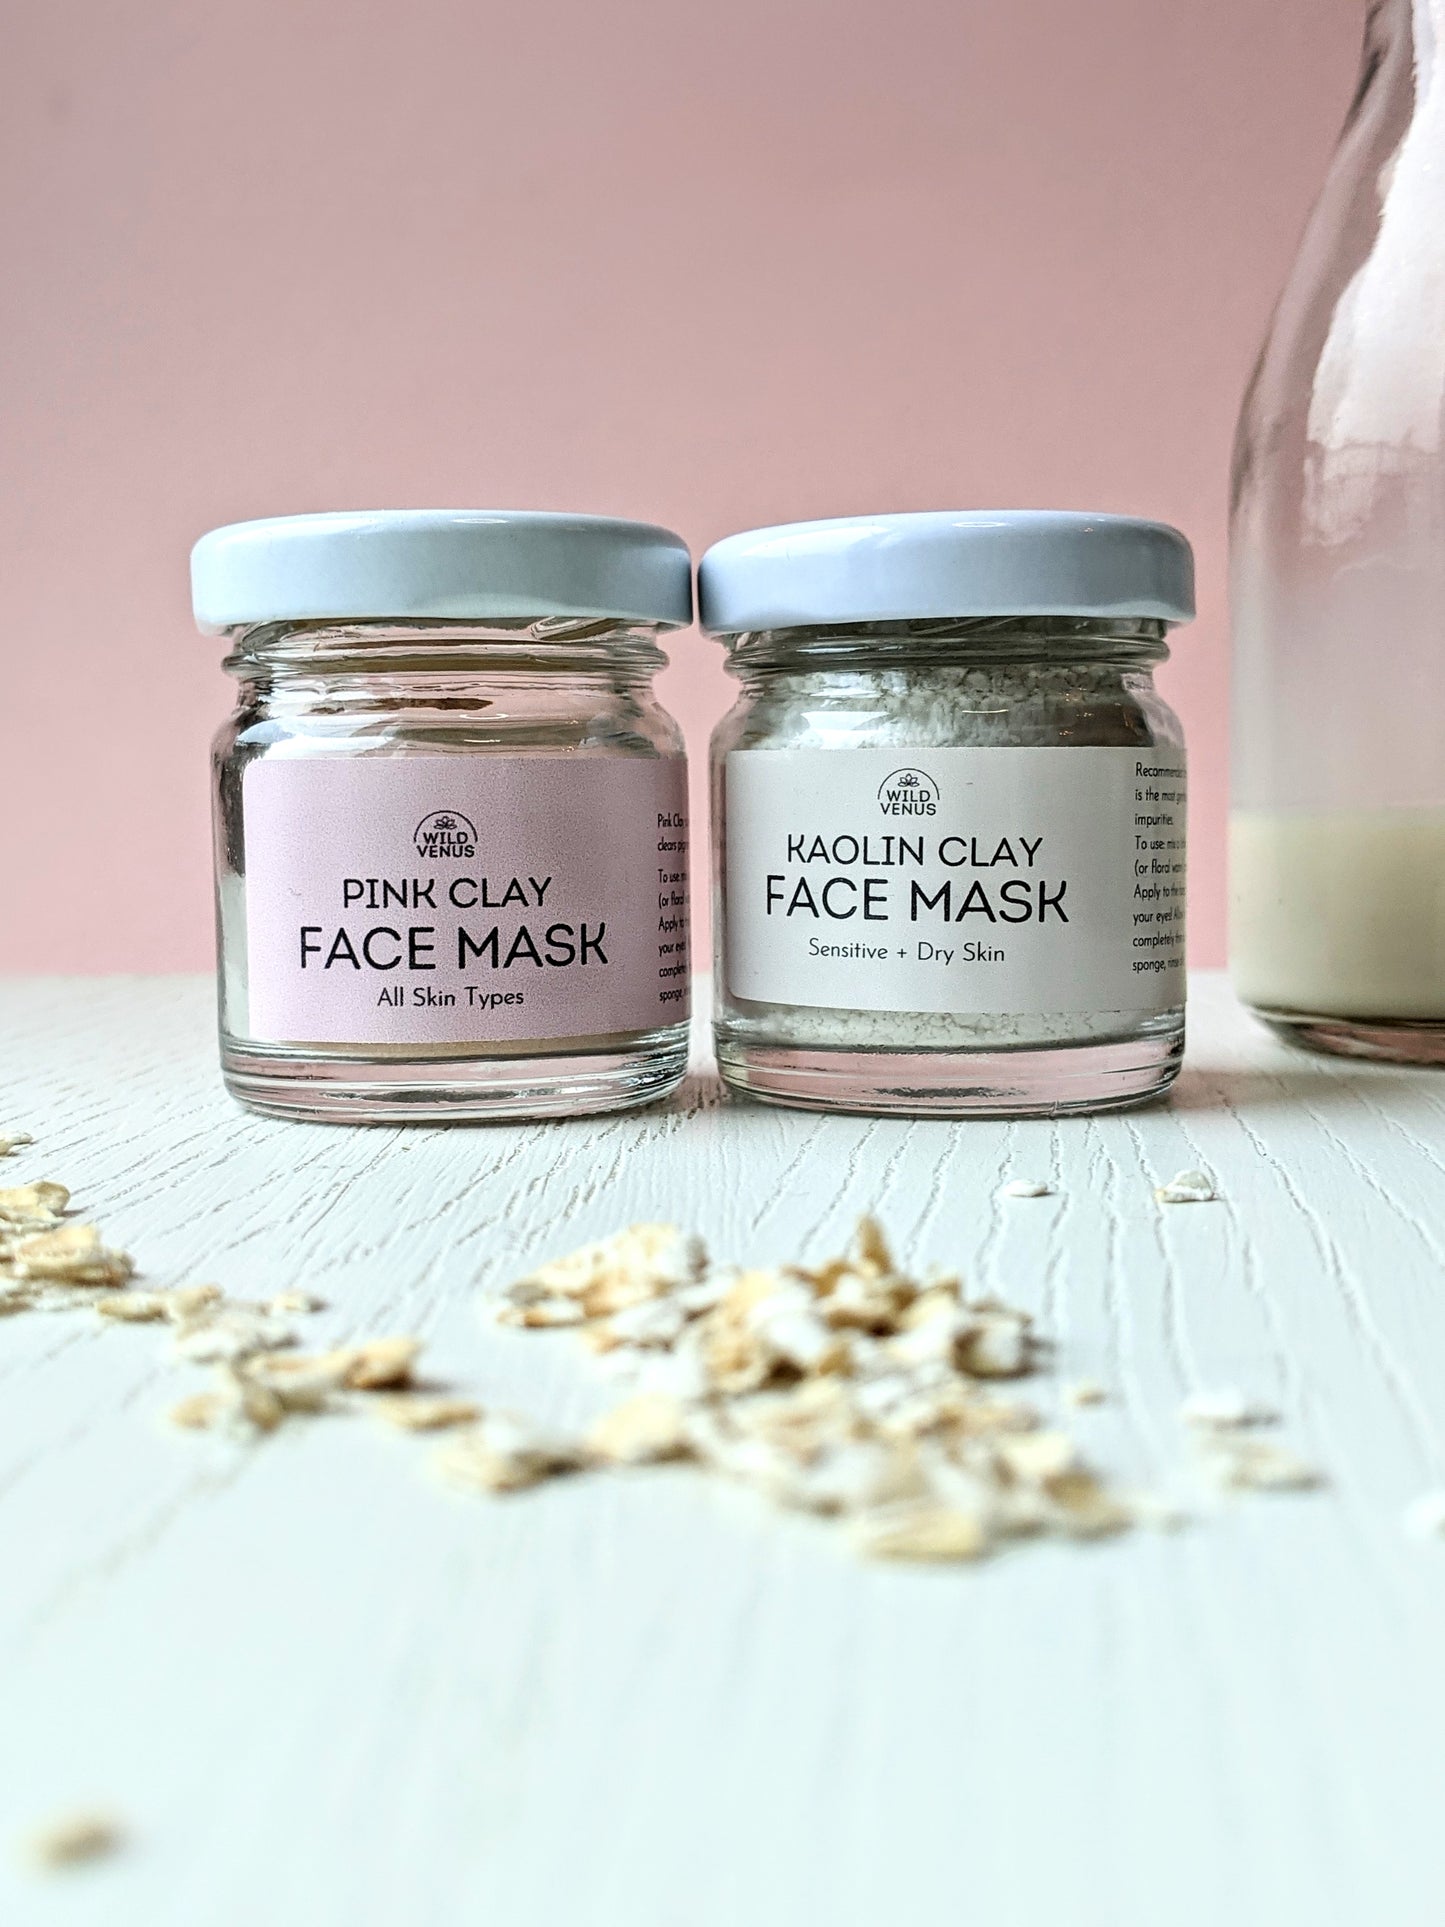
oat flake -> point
(1085, 1391)
(1223, 1411)
(1186, 1187)
(422, 1411)
(73, 1840)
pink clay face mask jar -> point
(450, 816)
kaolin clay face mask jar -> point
(948, 813)
(451, 819)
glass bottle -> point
(1337, 842)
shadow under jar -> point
(948, 814)
(439, 836)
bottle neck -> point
(271, 655)
(1054, 642)
(1397, 62)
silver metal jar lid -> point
(476, 565)
(973, 562)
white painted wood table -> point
(320, 1688)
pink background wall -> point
(712, 265)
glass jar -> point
(451, 817)
(948, 813)
(1337, 581)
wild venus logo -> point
(908, 792)
(444, 834)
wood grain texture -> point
(322, 1689)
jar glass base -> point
(326, 1089)
(1052, 1082)
(1388, 1040)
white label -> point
(992, 880)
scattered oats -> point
(380, 1363)
(135, 1307)
(239, 1404)
(542, 1312)
(922, 1531)
(1224, 1411)
(864, 1475)
(933, 1335)
(844, 1389)
(656, 1321)
(620, 1361)
(1241, 1463)
(862, 1298)
(803, 1421)
(681, 1373)
(1026, 1188)
(71, 1255)
(876, 1398)
(196, 1413)
(645, 1261)
(44, 1261)
(33, 1203)
(1077, 1502)
(1424, 1518)
(641, 1431)
(793, 1335)
(423, 1411)
(733, 1353)
(73, 1840)
(942, 1299)
(250, 1396)
(186, 1304)
(506, 1453)
(965, 1480)
(703, 1296)
(1186, 1187)
(1161, 1515)
(995, 1307)
(1085, 1391)
(302, 1383)
(871, 1247)
(1036, 1457)
(12, 1141)
(753, 1461)
(286, 1303)
(223, 1332)
(996, 1345)
(976, 1416)
(247, 1404)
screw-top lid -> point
(973, 562)
(470, 565)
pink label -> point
(465, 899)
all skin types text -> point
(356, 945)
